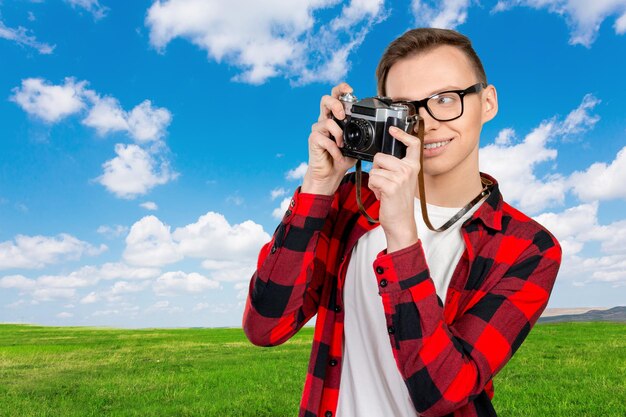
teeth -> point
(436, 144)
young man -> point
(409, 321)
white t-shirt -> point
(371, 384)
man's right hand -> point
(327, 165)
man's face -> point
(445, 68)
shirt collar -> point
(490, 212)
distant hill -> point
(612, 314)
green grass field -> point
(565, 369)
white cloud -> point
(147, 123)
(272, 38)
(446, 14)
(514, 164)
(164, 306)
(64, 286)
(19, 282)
(106, 115)
(150, 243)
(52, 294)
(229, 271)
(279, 212)
(92, 6)
(149, 205)
(228, 251)
(144, 123)
(49, 102)
(298, 172)
(38, 251)
(172, 283)
(278, 192)
(112, 231)
(65, 315)
(212, 237)
(90, 298)
(118, 270)
(505, 137)
(580, 119)
(235, 199)
(201, 306)
(584, 18)
(125, 287)
(577, 226)
(77, 279)
(134, 172)
(620, 25)
(127, 311)
(601, 181)
(22, 37)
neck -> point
(454, 188)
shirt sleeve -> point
(446, 366)
(285, 290)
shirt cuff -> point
(308, 211)
(402, 269)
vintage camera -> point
(366, 126)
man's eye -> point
(445, 99)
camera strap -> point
(487, 186)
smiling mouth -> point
(435, 145)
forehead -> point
(420, 75)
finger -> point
(331, 105)
(329, 127)
(379, 184)
(340, 89)
(377, 172)
(324, 142)
(413, 144)
(387, 162)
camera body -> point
(366, 126)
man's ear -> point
(490, 103)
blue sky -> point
(147, 147)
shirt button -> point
(337, 309)
(342, 258)
(288, 213)
(379, 270)
(273, 249)
(328, 414)
(332, 362)
(383, 283)
(292, 203)
(391, 329)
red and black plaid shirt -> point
(446, 355)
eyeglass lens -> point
(445, 106)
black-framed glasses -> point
(446, 105)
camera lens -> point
(358, 134)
